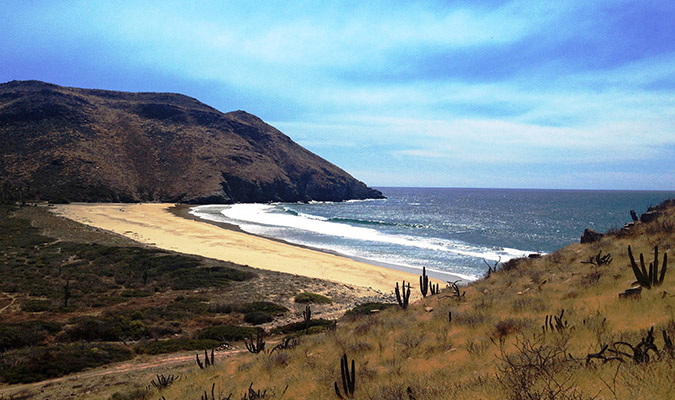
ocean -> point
(448, 231)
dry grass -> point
(495, 331)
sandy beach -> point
(155, 225)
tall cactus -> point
(649, 278)
(424, 282)
(403, 296)
(307, 316)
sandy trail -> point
(87, 383)
(153, 224)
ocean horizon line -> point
(519, 189)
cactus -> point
(599, 259)
(207, 363)
(435, 289)
(560, 324)
(403, 298)
(456, 293)
(649, 278)
(424, 282)
(205, 396)
(307, 315)
(66, 293)
(633, 216)
(164, 381)
(492, 268)
(348, 380)
(259, 344)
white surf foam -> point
(262, 218)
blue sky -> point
(525, 94)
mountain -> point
(108, 146)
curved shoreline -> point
(183, 211)
(154, 224)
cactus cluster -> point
(403, 295)
(599, 259)
(259, 344)
(164, 381)
(554, 322)
(648, 278)
(207, 363)
(348, 379)
(425, 286)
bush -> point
(188, 305)
(173, 345)
(36, 305)
(135, 293)
(244, 308)
(134, 394)
(307, 297)
(223, 333)
(34, 364)
(17, 335)
(257, 317)
(108, 329)
(315, 326)
(366, 309)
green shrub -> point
(22, 334)
(36, 305)
(173, 345)
(34, 364)
(135, 293)
(366, 309)
(224, 333)
(244, 308)
(195, 278)
(307, 297)
(315, 325)
(257, 317)
(110, 328)
(188, 305)
(134, 394)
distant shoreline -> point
(183, 211)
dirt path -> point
(11, 303)
(101, 383)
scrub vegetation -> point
(72, 298)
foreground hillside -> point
(70, 144)
(546, 328)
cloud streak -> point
(504, 93)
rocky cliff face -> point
(95, 145)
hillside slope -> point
(94, 145)
(552, 327)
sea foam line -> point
(255, 217)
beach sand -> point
(153, 224)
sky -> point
(507, 94)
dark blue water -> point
(452, 230)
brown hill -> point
(95, 145)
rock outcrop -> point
(106, 146)
(590, 236)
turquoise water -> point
(448, 230)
